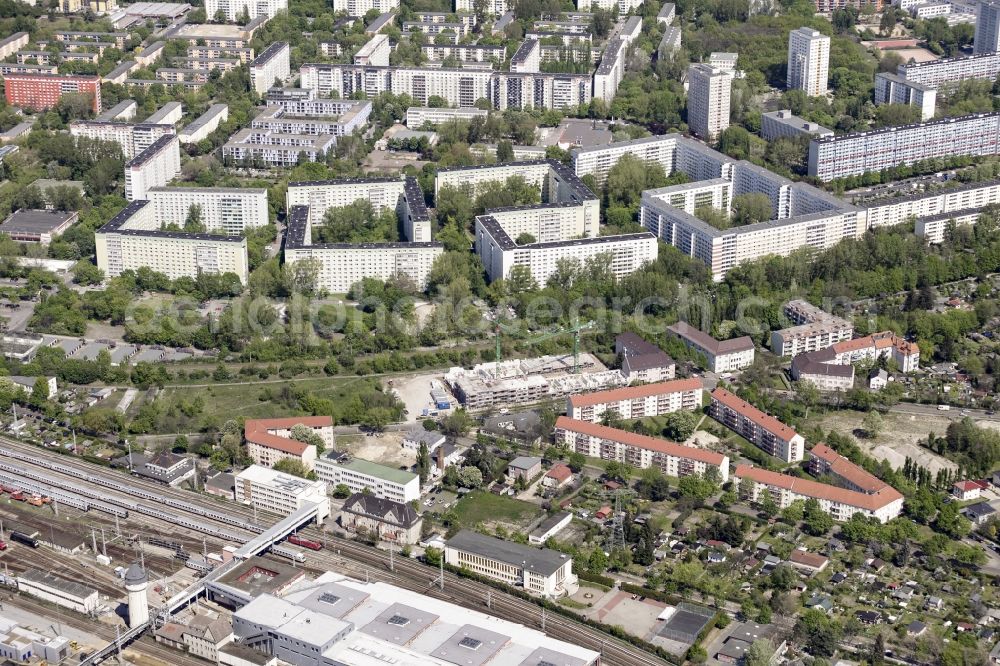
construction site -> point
(529, 381)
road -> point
(370, 563)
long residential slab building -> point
(814, 328)
(762, 430)
(636, 402)
(859, 491)
(640, 451)
(133, 239)
(974, 135)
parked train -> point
(304, 542)
(24, 539)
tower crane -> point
(576, 328)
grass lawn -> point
(483, 507)
(222, 403)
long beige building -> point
(762, 430)
(636, 402)
(132, 239)
(598, 441)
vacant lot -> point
(385, 449)
(482, 507)
(899, 439)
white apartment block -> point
(123, 110)
(763, 431)
(783, 123)
(228, 210)
(987, 38)
(243, 54)
(511, 90)
(957, 200)
(669, 43)
(499, 253)
(493, 8)
(872, 347)
(640, 451)
(720, 355)
(465, 52)
(133, 239)
(854, 154)
(362, 476)
(623, 6)
(934, 228)
(314, 116)
(952, 70)
(636, 402)
(274, 62)
(417, 116)
(459, 87)
(375, 52)
(14, 43)
(267, 147)
(808, 61)
(689, 197)
(154, 167)
(254, 9)
(667, 14)
(283, 494)
(362, 7)
(895, 89)
(671, 151)
(341, 265)
(321, 196)
(557, 183)
(928, 10)
(202, 127)
(528, 57)
(611, 70)
(269, 441)
(169, 114)
(813, 329)
(840, 503)
(709, 91)
(809, 367)
(133, 138)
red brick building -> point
(43, 91)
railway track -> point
(373, 564)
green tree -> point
(470, 477)
(680, 425)
(618, 471)
(293, 467)
(873, 424)
(423, 463)
(306, 435)
(576, 461)
(751, 208)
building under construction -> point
(529, 381)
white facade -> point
(623, 6)
(542, 572)
(971, 197)
(987, 39)
(840, 503)
(952, 70)
(636, 402)
(813, 329)
(640, 451)
(375, 52)
(381, 193)
(154, 167)
(279, 493)
(611, 70)
(231, 210)
(808, 61)
(541, 90)
(14, 43)
(203, 126)
(359, 475)
(132, 240)
(895, 89)
(133, 138)
(762, 430)
(253, 9)
(274, 62)
(416, 116)
(314, 116)
(342, 267)
(362, 7)
(273, 148)
(709, 91)
(854, 154)
(459, 87)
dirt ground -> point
(918, 54)
(415, 393)
(899, 438)
(619, 608)
(384, 449)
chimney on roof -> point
(440, 457)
